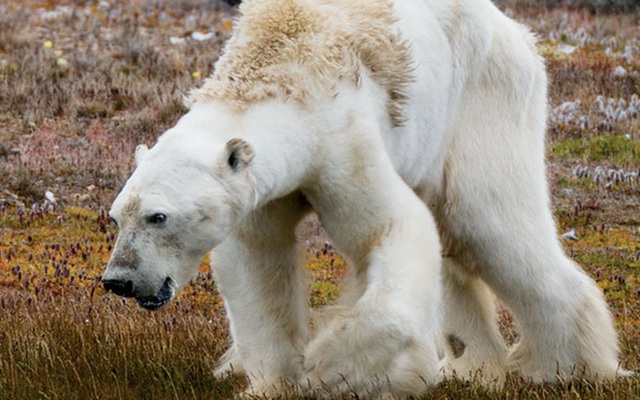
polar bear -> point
(415, 130)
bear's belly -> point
(418, 148)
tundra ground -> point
(83, 82)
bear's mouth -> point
(164, 295)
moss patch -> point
(616, 149)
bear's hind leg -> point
(474, 347)
(257, 273)
(566, 327)
(496, 208)
(565, 324)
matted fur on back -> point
(299, 49)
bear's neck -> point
(293, 143)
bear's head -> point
(184, 196)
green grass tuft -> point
(616, 149)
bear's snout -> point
(121, 288)
(125, 258)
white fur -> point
(472, 149)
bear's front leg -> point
(262, 285)
(386, 340)
(373, 350)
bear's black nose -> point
(121, 288)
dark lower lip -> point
(164, 295)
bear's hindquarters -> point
(495, 219)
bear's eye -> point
(157, 218)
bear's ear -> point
(239, 154)
(141, 151)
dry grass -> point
(69, 127)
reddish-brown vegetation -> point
(83, 82)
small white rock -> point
(566, 48)
(619, 71)
(571, 235)
(199, 36)
(49, 196)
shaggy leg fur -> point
(565, 323)
(497, 213)
(230, 363)
(474, 346)
(386, 342)
(572, 325)
(262, 284)
(566, 327)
